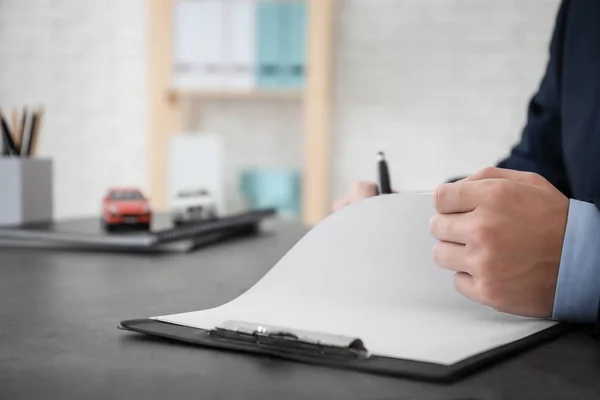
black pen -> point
(385, 186)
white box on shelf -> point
(25, 190)
(196, 163)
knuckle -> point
(496, 189)
(437, 226)
(433, 225)
(489, 293)
(438, 253)
(483, 264)
(536, 179)
(482, 232)
(529, 176)
(439, 195)
(470, 258)
(488, 171)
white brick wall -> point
(440, 85)
(86, 62)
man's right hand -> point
(359, 191)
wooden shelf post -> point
(163, 117)
(318, 112)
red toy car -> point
(125, 207)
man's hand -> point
(358, 191)
(502, 232)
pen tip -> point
(380, 156)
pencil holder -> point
(25, 190)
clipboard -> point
(361, 291)
(331, 350)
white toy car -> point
(193, 206)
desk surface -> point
(59, 312)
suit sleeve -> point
(540, 147)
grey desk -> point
(58, 338)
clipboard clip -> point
(291, 340)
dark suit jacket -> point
(561, 139)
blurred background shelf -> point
(310, 84)
(260, 94)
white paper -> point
(367, 272)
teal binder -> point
(297, 28)
(285, 42)
(277, 188)
(269, 69)
(293, 43)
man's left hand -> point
(502, 232)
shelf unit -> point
(165, 105)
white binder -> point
(186, 60)
(198, 44)
(240, 44)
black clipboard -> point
(346, 353)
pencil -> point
(30, 135)
(36, 131)
(15, 129)
(21, 133)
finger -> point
(465, 285)
(451, 256)
(453, 228)
(513, 175)
(341, 203)
(362, 190)
(457, 197)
